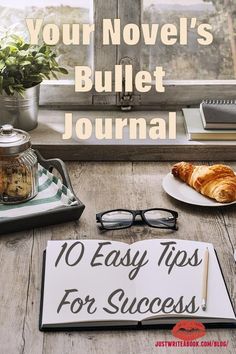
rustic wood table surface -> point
(102, 186)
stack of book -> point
(215, 120)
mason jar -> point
(18, 166)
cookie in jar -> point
(18, 166)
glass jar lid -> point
(13, 141)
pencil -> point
(205, 280)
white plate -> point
(184, 193)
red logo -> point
(188, 330)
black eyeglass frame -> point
(142, 214)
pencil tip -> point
(203, 305)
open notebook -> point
(97, 283)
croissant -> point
(2, 182)
(217, 181)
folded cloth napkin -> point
(52, 194)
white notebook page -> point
(124, 284)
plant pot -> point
(21, 112)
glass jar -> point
(18, 166)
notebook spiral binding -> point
(219, 101)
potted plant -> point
(22, 68)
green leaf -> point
(11, 61)
(40, 60)
(13, 47)
(11, 81)
(63, 71)
(25, 63)
(39, 55)
(43, 49)
(54, 75)
(11, 89)
(2, 64)
(23, 53)
(47, 76)
(6, 51)
(1, 84)
(16, 37)
(25, 46)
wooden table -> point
(102, 186)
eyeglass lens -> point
(159, 218)
(117, 219)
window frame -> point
(61, 93)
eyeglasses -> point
(123, 219)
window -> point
(216, 61)
(14, 12)
(186, 66)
